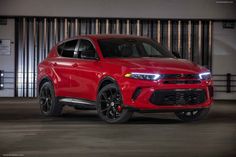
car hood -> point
(158, 65)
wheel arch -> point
(105, 81)
(108, 80)
(42, 81)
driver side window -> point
(86, 50)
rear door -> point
(63, 65)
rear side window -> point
(67, 49)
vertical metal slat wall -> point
(35, 36)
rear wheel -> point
(49, 105)
(192, 115)
(110, 105)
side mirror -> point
(90, 54)
(176, 54)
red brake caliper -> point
(119, 108)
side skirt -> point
(81, 104)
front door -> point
(84, 77)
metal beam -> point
(169, 35)
(127, 27)
(159, 31)
(97, 26)
(189, 40)
(138, 27)
(117, 26)
(200, 42)
(179, 36)
(107, 26)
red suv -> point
(117, 75)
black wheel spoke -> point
(45, 99)
(44, 106)
(105, 96)
(43, 102)
(108, 112)
(104, 109)
(42, 98)
(103, 101)
(48, 105)
(117, 102)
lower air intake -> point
(178, 97)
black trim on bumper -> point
(178, 97)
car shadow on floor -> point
(88, 117)
(71, 116)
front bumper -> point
(137, 94)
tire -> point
(110, 105)
(49, 105)
(193, 115)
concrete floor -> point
(24, 132)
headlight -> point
(205, 76)
(143, 76)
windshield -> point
(131, 48)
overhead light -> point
(2, 74)
(1, 85)
(224, 2)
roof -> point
(102, 36)
(107, 36)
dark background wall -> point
(223, 40)
(170, 9)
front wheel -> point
(110, 105)
(192, 115)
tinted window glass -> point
(69, 48)
(131, 48)
(86, 48)
(151, 51)
(85, 45)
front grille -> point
(180, 76)
(178, 97)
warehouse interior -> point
(203, 31)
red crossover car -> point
(117, 75)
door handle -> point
(54, 64)
(75, 65)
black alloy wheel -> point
(110, 105)
(48, 102)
